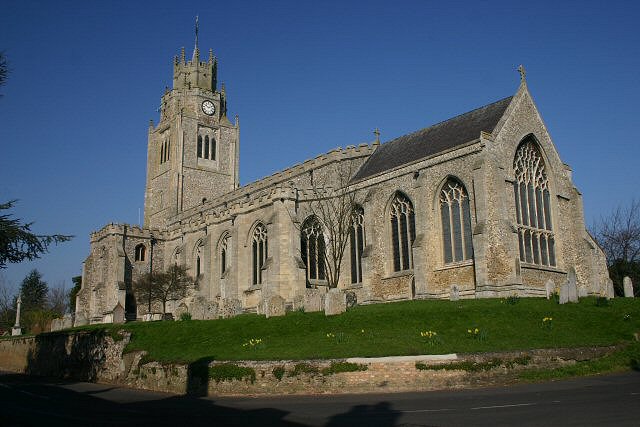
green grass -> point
(389, 330)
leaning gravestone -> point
(549, 288)
(118, 313)
(572, 285)
(335, 302)
(274, 306)
(628, 287)
(313, 300)
(454, 293)
(352, 299)
(564, 293)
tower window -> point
(140, 252)
(200, 146)
(164, 151)
(206, 146)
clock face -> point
(208, 108)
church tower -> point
(193, 152)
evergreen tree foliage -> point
(33, 291)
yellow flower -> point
(469, 331)
(477, 330)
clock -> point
(208, 108)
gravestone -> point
(313, 300)
(564, 293)
(609, 292)
(628, 287)
(148, 317)
(549, 288)
(56, 324)
(118, 313)
(454, 293)
(352, 299)
(229, 307)
(67, 321)
(582, 292)
(572, 286)
(80, 320)
(335, 302)
(298, 302)
(274, 306)
(201, 309)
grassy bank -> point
(392, 329)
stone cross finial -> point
(523, 72)
(376, 132)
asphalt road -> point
(603, 401)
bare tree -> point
(58, 299)
(7, 297)
(333, 205)
(619, 236)
(171, 285)
(4, 69)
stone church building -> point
(480, 205)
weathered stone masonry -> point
(195, 211)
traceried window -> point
(356, 240)
(224, 248)
(456, 222)
(533, 206)
(140, 252)
(259, 251)
(403, 232)
(198, 259)
(312, 247)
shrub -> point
(230, 372)
(337, 367)
(185, 316)
(278, 372)
(304, 368)
(513, 299)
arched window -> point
(167, 151)
(162, 153)
(198, 259)
(403, 231)
(206, 146)
(356, 239)
(533, 206)
(213, 148)
(259, 248)
(199, 146)
(140, 252)
(456, 222)
(224, 248)
(312, 247)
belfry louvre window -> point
(456, 222)
(533, 206)
(140, 252)
(357, 243)
(403, 232)
(259, 249)
(165, 149)
(206, 147)
(312, 247)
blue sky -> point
(304, 77)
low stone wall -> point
(95, 356)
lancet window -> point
(259, 252)
(533, 206)
(357, 243)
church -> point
(479, 206)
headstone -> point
(148, 317)
(118, 313)
(182, 309)
(352, 299)
(80, 319)
(335, 302)
(549, 288)
(628, 287)
(107, 318)
(298, 302)
(56, 324)
(609, 292)
(274, 306)
(582, 292)
(564, 293)
(229, 307)
(67, 321)
(198, 308)
(454, 293)
(572, 286)
(313, 300)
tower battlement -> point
(194, 73)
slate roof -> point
(434, 139)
